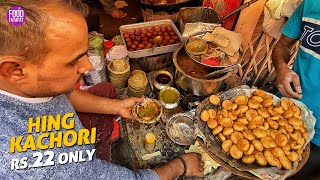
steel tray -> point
(157, 50)
(198, 58)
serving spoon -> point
(157, 41)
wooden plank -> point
(248, 20)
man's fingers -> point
(122, 15)
(282, 90)
(130, 117)
(290, 91)
(200, 159)
(201, 169)
(296, 84)
(199, 173)
(285, 88)
(201, 163)
(137, 100)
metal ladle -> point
(224, 70)
(206, 11)
(152, 93)
(157, 41)
(245, 5)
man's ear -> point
(12, 68)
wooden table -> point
(136, 133)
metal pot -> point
(160, 85)
(169, 105)
(205, 14)
(171, 6)
(191, 84)
(197, 14)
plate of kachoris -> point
(255, 131)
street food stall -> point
(202, 85)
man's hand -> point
(194, 164)
(85, 102)
(285, 76)
(175, 168)
(126, 105)
(118, 14)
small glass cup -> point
(150, 142)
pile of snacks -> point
(255, 129)
(143, 38)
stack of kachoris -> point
(255, 129)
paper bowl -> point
(136, 111)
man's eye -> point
(74, 62)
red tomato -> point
(212, 61)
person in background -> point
(302, 81)
(111, 9)
(40, 62)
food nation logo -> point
(16, 15)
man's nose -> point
(85, 65)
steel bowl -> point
(180, 129)
(196, 85)
(170, 105)
(159, 85)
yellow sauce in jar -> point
(169, 96)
